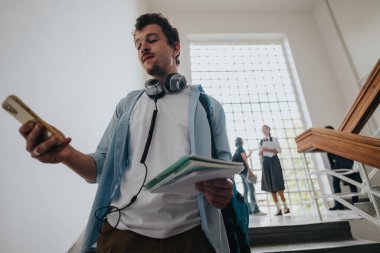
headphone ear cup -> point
(153, 89)
(175, 82)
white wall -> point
(350, 31)
(70, 61)
(358, 21)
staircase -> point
(334, 237)
(348, 142)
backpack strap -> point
(203, 98)
(235, 214)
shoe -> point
(286, 210)
(259, 213)
(336, 207)
(279, 212)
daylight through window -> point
(254, 85)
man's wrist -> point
(67, 154)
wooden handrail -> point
(345, 141)
(352, 146)
(364, 105)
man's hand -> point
(50, 150)
(53, 150)
(218, 192)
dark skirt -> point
(273, 180)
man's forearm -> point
(83, 164)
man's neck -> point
(162, 79)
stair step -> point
(342, 246)
(316, 232)
(366, 207)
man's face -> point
(154, 52)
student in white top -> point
(273, 179)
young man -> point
(137, 220)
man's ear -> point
(177, 49)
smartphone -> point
(18, 109)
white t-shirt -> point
(156, 215)
(274, 144)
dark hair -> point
(270, 136)
(170, 32)
(329, 127)
(238, 141)
(266, 126)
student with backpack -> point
(248, 187)
(151, 129)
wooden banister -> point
(352, 146)
(364, 105)
(346, 142)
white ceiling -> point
(229, 5)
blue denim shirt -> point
(111, 157)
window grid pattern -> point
(253, 83)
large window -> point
(254, 85)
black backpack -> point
(235, 214)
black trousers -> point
(353, 188)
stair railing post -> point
(367, 185)
(311, 185)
